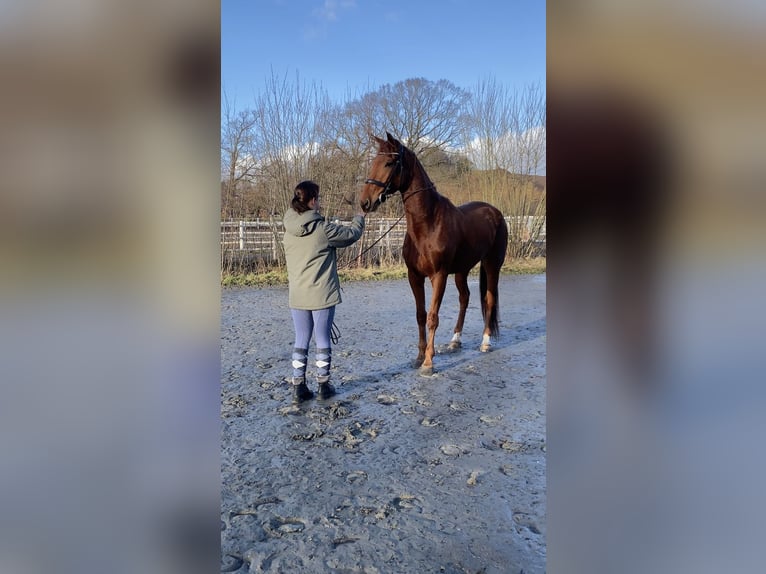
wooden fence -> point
(259, 242)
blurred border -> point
(109, 169)
(655, 286)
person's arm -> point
(342, 235)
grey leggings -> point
(318, 323)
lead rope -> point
(374, 243)
(394, 224)
(335, 331)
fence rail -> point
(260, 240)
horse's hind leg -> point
(461, 282)
(489, 278)
(490, 311)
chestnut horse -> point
(441, 240)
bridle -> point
(387, 189)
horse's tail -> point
(493, 323)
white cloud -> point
(299, 155)
(329, 13)
(296, 156)
(517, 153)
(329, 10)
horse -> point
(441, 240)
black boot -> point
(300, 391)
(326, 390)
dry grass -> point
(524, 266)
(279, 276)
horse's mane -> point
(417, 164)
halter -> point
(387, 185)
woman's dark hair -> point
(305, 191)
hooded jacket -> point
(310, 243)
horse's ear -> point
(392, 139)
(377, 139)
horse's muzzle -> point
(368, 205)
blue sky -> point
(354, 46)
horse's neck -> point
(421, 196)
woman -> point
(314, 288)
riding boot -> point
(326, 390)
(323, 362)
(300, 391)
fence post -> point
(274, 245)
(388, 240)
(241, 235)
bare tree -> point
(423, 113)
(504, 129)
(505, 139)
(238, 164)
(347, 128)
(426, 114)
(349, 125)
(524, 151)
(288, 120)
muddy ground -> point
(399, 473)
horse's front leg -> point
(461, 282)
(438, 284)
(417, 284)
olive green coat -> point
(310, 243)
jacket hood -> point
(301, 224)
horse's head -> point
(385, 176)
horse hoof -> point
(426, 371)
(454, 345)
(485, 348)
